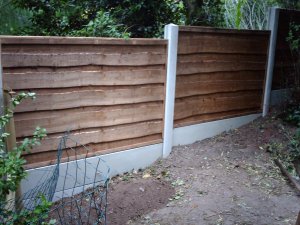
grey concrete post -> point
(171, 33)
(273, 26)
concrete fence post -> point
(171, 34)
(273, 26)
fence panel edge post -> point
(171, 34)
(273, 26)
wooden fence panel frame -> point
(231, 55)
(144, 99)
(118, 82)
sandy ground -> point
(228, 179)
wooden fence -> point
(109, 93)
(285, 72)
(220, 74)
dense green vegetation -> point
(12, 19)
(129, 18)
(113, 18)
(205, 13)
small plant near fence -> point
(12, 171)
(88, 206)
(292, 154)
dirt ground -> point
(229, 179)
(132, 198)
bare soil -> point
(229, 179)
(128, 200)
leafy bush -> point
(293, 37)
(292, 115)
(29, 217)
(145, 18)
(103, 26)
(289, 4)
(247, 14)
(204, 13)
(56, 17)
(141, 18)
(294, 146)
(12, 19)
(12, 170)
(291, 154)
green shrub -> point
(12, 19)
(204, 13)
(104, 25)
(247, 14)
(12, 171)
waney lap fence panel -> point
(109, 93)
(220, 74)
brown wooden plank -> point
(222, 76)
(80, 40)
(214, 116)
(104, 134)
(62, 120)
(60, 48)
(216, 66)
(80, 59)
(210, 87)
(60, 79)
(72, 98)
(203, 57)
(215, 30)
(199, 43)
(81, 68)
(49, 158)
(198, 105)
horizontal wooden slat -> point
(104, 134)
(215, 31)
(69, 48)
(59, 121)
(49, 158)
(74, 98)
(80, 59)
(81, 68)
(215, 66)
(210, 87)
(214, 116)
(79, 40)
(60, 79)
(200, 43)
(198, 105)
(207, 57)
(222, 76)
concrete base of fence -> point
(118, 163)
(280, 96)
(190, 134)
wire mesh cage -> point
(77, 185)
